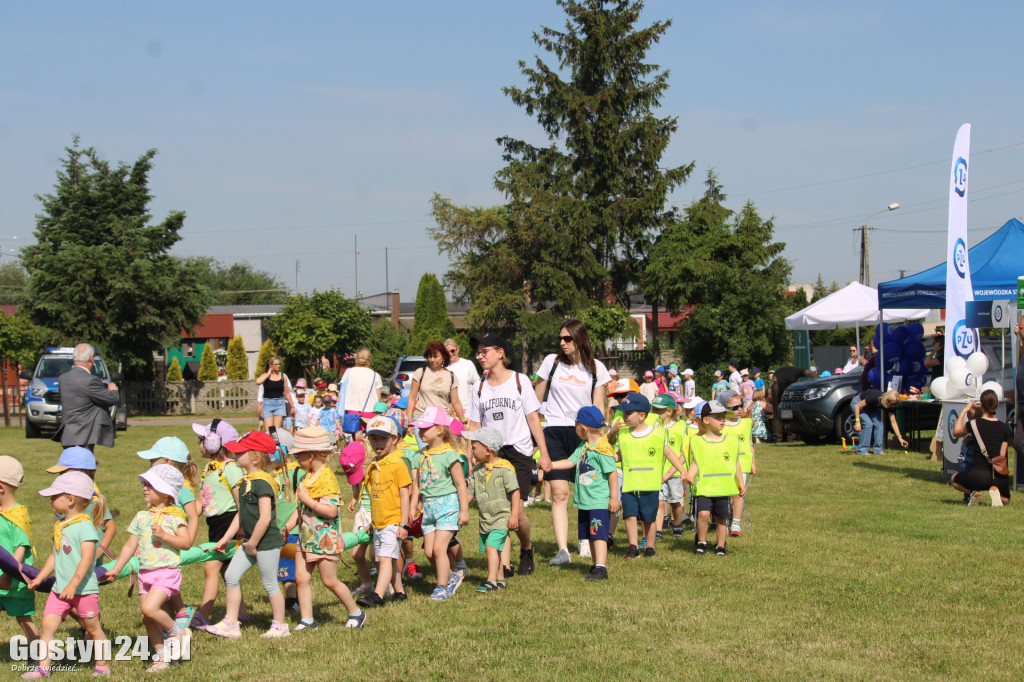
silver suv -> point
(42, 397)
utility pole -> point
(296, 276)
(865, 265)
(356, 251)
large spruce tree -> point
(100, 272)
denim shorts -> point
(672, 490)
(441, 513)
(274, 407)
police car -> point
(42, 397)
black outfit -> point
(981, 477)
(273, 389)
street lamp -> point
(865, 267)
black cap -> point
(493, 340)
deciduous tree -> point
(322, 323)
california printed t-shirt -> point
(571, 388)
(154, 553)
(505, 408)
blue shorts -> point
(643, 504)
(441, 513)
(495, 538)
(274, 407)
(593, 524)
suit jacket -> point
(85, 409)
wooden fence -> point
(189, 397)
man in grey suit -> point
(85, 403)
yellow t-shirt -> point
(384, 480)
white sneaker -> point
(561, 558)
(585, 549)
(997, 499)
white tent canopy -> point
(855, 305)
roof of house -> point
(248, 310)
(212, 326)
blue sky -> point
(288, 130)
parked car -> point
(42, 397)
(816, 409)
(404, 367)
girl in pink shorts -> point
(74, 551)
(158, 533)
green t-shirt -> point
(249, 493)
(284, 507)
(69, 554)
(593, 467)
(492, 497)
(436, 471)
(216, 497)
(11, 538)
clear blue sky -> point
(286, 130)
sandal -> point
(101, 671)
(199, 621)
(36, 674)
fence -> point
(189, 397)
(11, 395)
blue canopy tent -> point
(996, 263)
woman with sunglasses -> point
(570, 380)
(853, 361)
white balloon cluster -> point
(963, 378)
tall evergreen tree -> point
(263, 359)
(174, 371)
(100, 272)
(431, 322)
(237, 368)
(207, 365)
(587, 205)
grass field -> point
(853, 568)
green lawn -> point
(853, 568)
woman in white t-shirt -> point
(362, 386)
(571, 379)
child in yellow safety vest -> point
(738, 422)
(672, 492)
(715, 476)
(643, 449)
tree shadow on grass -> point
(930, 476)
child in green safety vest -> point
(715, 475)
(738, 422)
(643, 449)
(672, 493)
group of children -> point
(283, 504)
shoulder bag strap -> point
(977, 437)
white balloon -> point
(958, 380)
(993, 386)
(954, 363)
(940, 388)
(977, 364)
